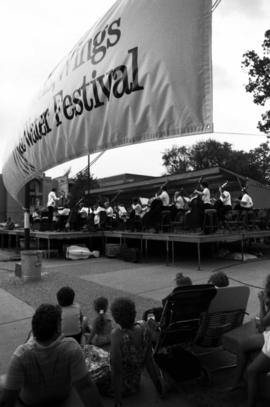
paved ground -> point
(147, 283)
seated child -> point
(72, 321)
(102, 325)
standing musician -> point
(224, 203)
(205, 195)
(164, 197)
(51, 205)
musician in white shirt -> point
(224, 203)
(51, 204)
(164, 197)
(205, 195)
(246, 200)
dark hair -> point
(182, 280)
(219, 279)
(124, 312)
(267, 286)
(205, 184)
(164, 188)
(45, 322)
(65, 296)
(100, 306)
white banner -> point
(142, 73)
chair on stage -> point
(102, 220)
(179, 325)
(232, 220)
(165, 220)
(210, 221)
(178, 224)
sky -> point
(36, 34)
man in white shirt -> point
(205, 195)
(51, 204)
(246, 200)
(164, 197)
(224, 203)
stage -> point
(11, 238)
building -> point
(126, 186)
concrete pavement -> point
(146, 280)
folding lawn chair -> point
(225, 313)
(179, 324)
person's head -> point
(65, 296)
(135, 201)
(101, 305)
(182, 280)
(53, 189)
(164, 188)
(106, 204)
(204, 184)
(46, 322)
(124, 312)
(267, 287)
(219, 279)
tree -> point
(258, 69)
(177, 160)
(260, 161)
(81, 186)
(211, 153)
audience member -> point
(259, 341)
(182, 280)
(219, 279)
(43, 371)
(102, 325)
(73, 324)
(131, 350)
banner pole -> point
(88, 186)
(27, 217)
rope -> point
(215, 5)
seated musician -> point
(135, 213)
(97, 210)
(180, 203)
(122, 212)
(205, 195)
(224, 203)
(109, 209)
(246, 202)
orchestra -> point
(143, 213)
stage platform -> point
(13, 239)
